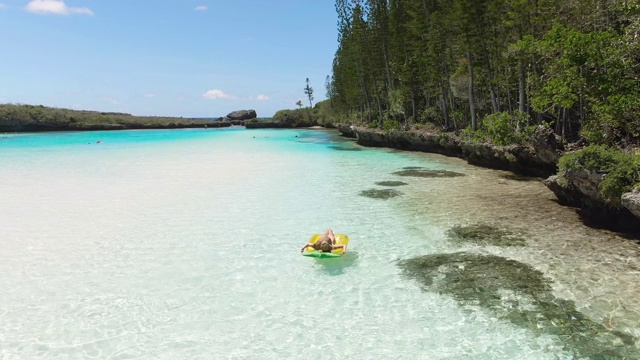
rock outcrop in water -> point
(381, 194)
(484, 235)
(427, 173)
(242, 115)
(522, 295)
(581, 189)
(391, 183)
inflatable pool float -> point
(340, 239)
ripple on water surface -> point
(185, 244)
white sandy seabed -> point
(185, 245)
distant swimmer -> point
(98, 142)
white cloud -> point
(85, 11)
(57, 7)
(262, 97)
(111, 100)
(149, 95)
(2, 6)
(217, 94)
(201, 8)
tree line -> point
(506, 65)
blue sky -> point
(192, 58)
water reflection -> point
(337, 266)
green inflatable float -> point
(341, 239)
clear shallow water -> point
(185, 244)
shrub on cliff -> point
(325, 114)
(296, 118)
(507, 129)
(390, 125)
(622, 169)
(502, 129)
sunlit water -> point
(185, 245)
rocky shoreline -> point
(581, 190)
(540, 159)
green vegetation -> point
(496, 67)
(40, 118)
(622, 169)
(295, 118)
(321, 114)
(308, 90)
(502, 129)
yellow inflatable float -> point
(341, 239)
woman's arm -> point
(341, 246)
(306, 246)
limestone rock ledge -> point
(539, 159)
(581, 189)
(631, 201)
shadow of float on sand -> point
(337, 266)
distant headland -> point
(31, 118)
(35, 118)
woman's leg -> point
(331, 236)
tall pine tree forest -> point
(498, 67)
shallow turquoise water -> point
(185, 244)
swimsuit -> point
(320, 241)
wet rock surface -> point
(425, 173)
(515, 177)
(381, 194)
(391, 183)
(631, 201)
(581, 190)
(522, 295)
(344, 148)
(484, 235)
